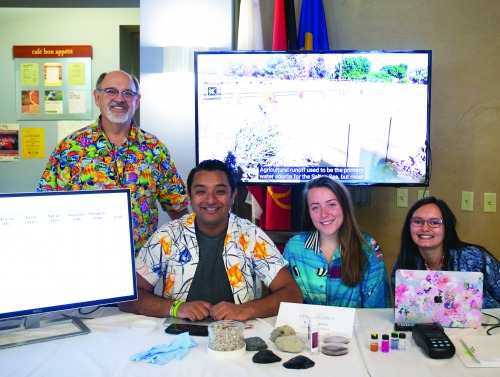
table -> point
(106, 351)
(413, 362)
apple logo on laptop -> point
(438, 299)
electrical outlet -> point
(422, 193)
(361, 196)
(490, 202)
(467, 203)
(402, 197)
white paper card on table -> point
(486, 349)
(331, 318)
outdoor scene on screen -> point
(281, 118)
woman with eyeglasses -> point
(429, 240)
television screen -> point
(64, 250)
(277, 117)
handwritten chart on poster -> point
(53, 82)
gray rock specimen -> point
(255, 343)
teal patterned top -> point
(321, 284)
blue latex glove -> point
(163, 353)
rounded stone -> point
(282, 331)
(290, 343)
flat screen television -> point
(362, 117)
(63, 250)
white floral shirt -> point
(172, 254)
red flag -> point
(278, 208)
(285, 26)
(272, 206)
(279, 29)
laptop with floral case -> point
(450, 298)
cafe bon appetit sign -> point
(53, 82)
(81, 51)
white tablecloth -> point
(106, 351)
(413, 362)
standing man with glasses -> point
(429, 240)
(114, 152)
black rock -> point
(265, 357)
(255, 344)
(299, 362)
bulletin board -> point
(53, 82)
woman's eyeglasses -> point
(432, 223)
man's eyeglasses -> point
(418, 222)
(112, 93)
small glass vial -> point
(374, 343)
(385, 343)
(314, 336)
(394, 341)
(402, 341)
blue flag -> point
(313, 34)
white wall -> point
(53, 26)
(167, 102)
(167, 105)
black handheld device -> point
(194, 330)
(433, 340)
